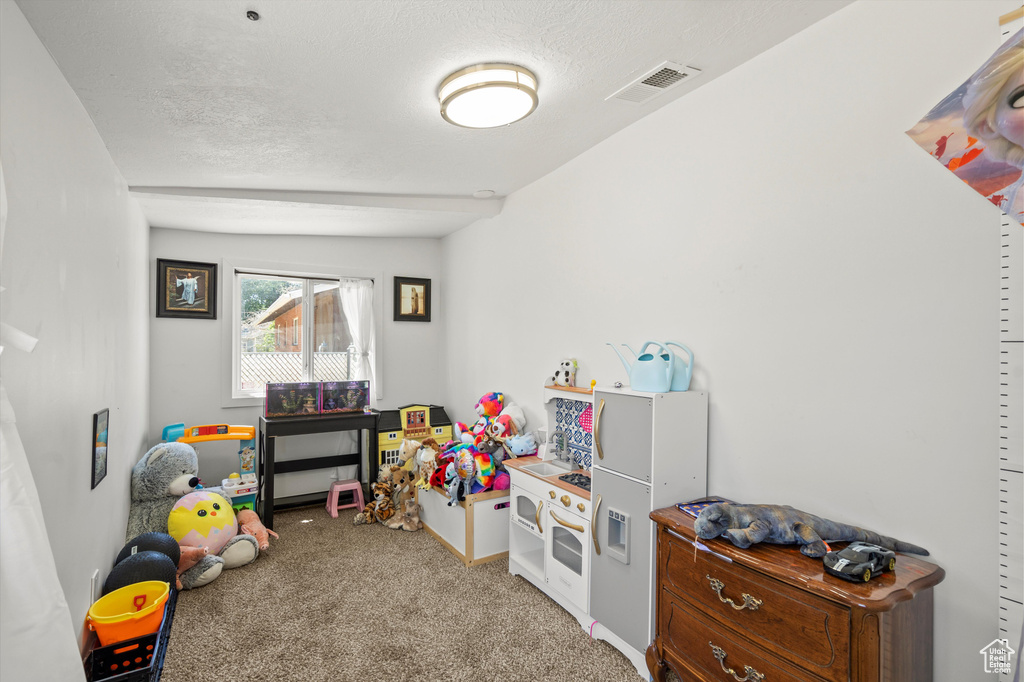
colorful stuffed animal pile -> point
(470, 463)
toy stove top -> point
(577, 479)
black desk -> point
(271, 429)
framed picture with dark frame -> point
(100, 427)
(186, 289)
(412, 299)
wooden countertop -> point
(518, 463)
(785, 562)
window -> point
(275, 314)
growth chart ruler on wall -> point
(1011, 413)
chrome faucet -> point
(561, 442)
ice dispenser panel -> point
(617, 542)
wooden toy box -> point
(476, 530)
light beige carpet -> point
(333, 601)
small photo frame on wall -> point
(412, 299)
(186, 289)
(100, 426)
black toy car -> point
(860, 561)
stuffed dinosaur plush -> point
(747, 524)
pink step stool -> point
(337, 487)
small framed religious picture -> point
(412, 299)
(186, 289)
(100, 422)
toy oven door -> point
(526, 510)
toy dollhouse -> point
(415, 422)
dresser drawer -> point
(711, 652)
(811, 632)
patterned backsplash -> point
(576, 419)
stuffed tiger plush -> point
(381, 509)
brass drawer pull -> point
(576, 527)
(540, 508)
(597, 429)
(593, 525)
(752, 603)
(751, 674)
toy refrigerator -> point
(650, 452)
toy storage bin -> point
(131, 611)
(136, 660)
(476, 530)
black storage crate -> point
(133, 660)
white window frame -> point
(232, 396)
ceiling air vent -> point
(663, 77)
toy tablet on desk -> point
(693, 508)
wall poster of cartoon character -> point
(977, 131)
(186, 289)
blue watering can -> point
(650, 373)
(681, 377)
(683, 370)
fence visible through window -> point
(257, 369)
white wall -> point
(190, 370)
(74, 269)
(838, 287)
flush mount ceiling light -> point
(488, 95)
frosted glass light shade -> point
(488, 95)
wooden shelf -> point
(571, 389)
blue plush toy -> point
(523, 444)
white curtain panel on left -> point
(37, 637)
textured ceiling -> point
(336, 99)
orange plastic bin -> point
(132, 611)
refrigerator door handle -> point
(597, 434)
(593, 521)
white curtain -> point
(37, 637)
(356, 301)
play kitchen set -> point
(579, 525)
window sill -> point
(243, 401)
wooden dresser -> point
(769, 613)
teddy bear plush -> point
(487, 409)
(160, 478)
(380, 509)
(410, 518)
(401, 486)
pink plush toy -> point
(251, 525)
(490, 405)
(190, 556)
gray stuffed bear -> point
(163, 475)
